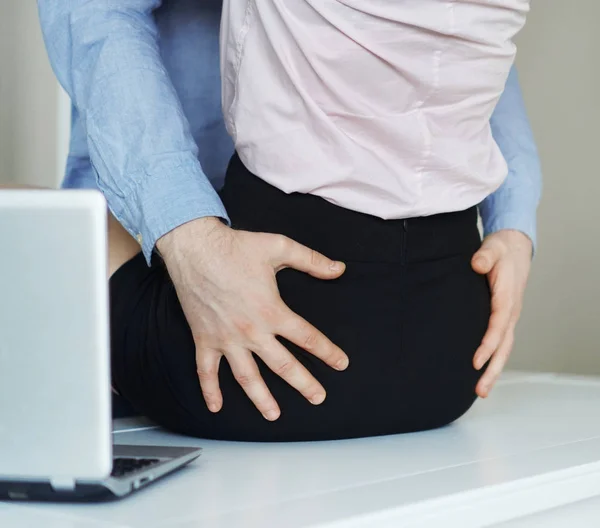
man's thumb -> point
(483, 261)
(299, 257)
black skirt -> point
(409, 312)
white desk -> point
(533, 446)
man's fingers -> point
(497, 364)
(207, 365)
(285, 365)
(290, 254)
(502, 312)
(306, 336)
(246, 373)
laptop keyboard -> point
(123, 466)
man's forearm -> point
(106, 56)
(514, 204)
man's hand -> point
(505, 257)
(225, 280)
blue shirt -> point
(147, 126)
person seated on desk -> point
(364, 147)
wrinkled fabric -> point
(379, 106)
(147, 126)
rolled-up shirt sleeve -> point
(514, 204)
(105, 54)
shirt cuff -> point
(523, 221)
(170, 200)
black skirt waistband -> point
(340, 233)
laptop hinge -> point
(62, 484)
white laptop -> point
(55, 396)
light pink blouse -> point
(380, 106)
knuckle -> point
(284, 368)
(246, 379)
(210, 395)
(205, 343)
(206, 373)
(505, 352)
(268, 312)
(283, 243)
(495, 374)
(311, 339)
(315, 258)
(243, 326)
(331, 355)
(509, 303)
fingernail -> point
(342, 364)
(271, 415)
(213, 407)
(336, 266)
(317, 399)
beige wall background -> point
(29, 98)
(560, 75)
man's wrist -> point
(171, 194)
(515, 240)
(520, 217)
(180, 238)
